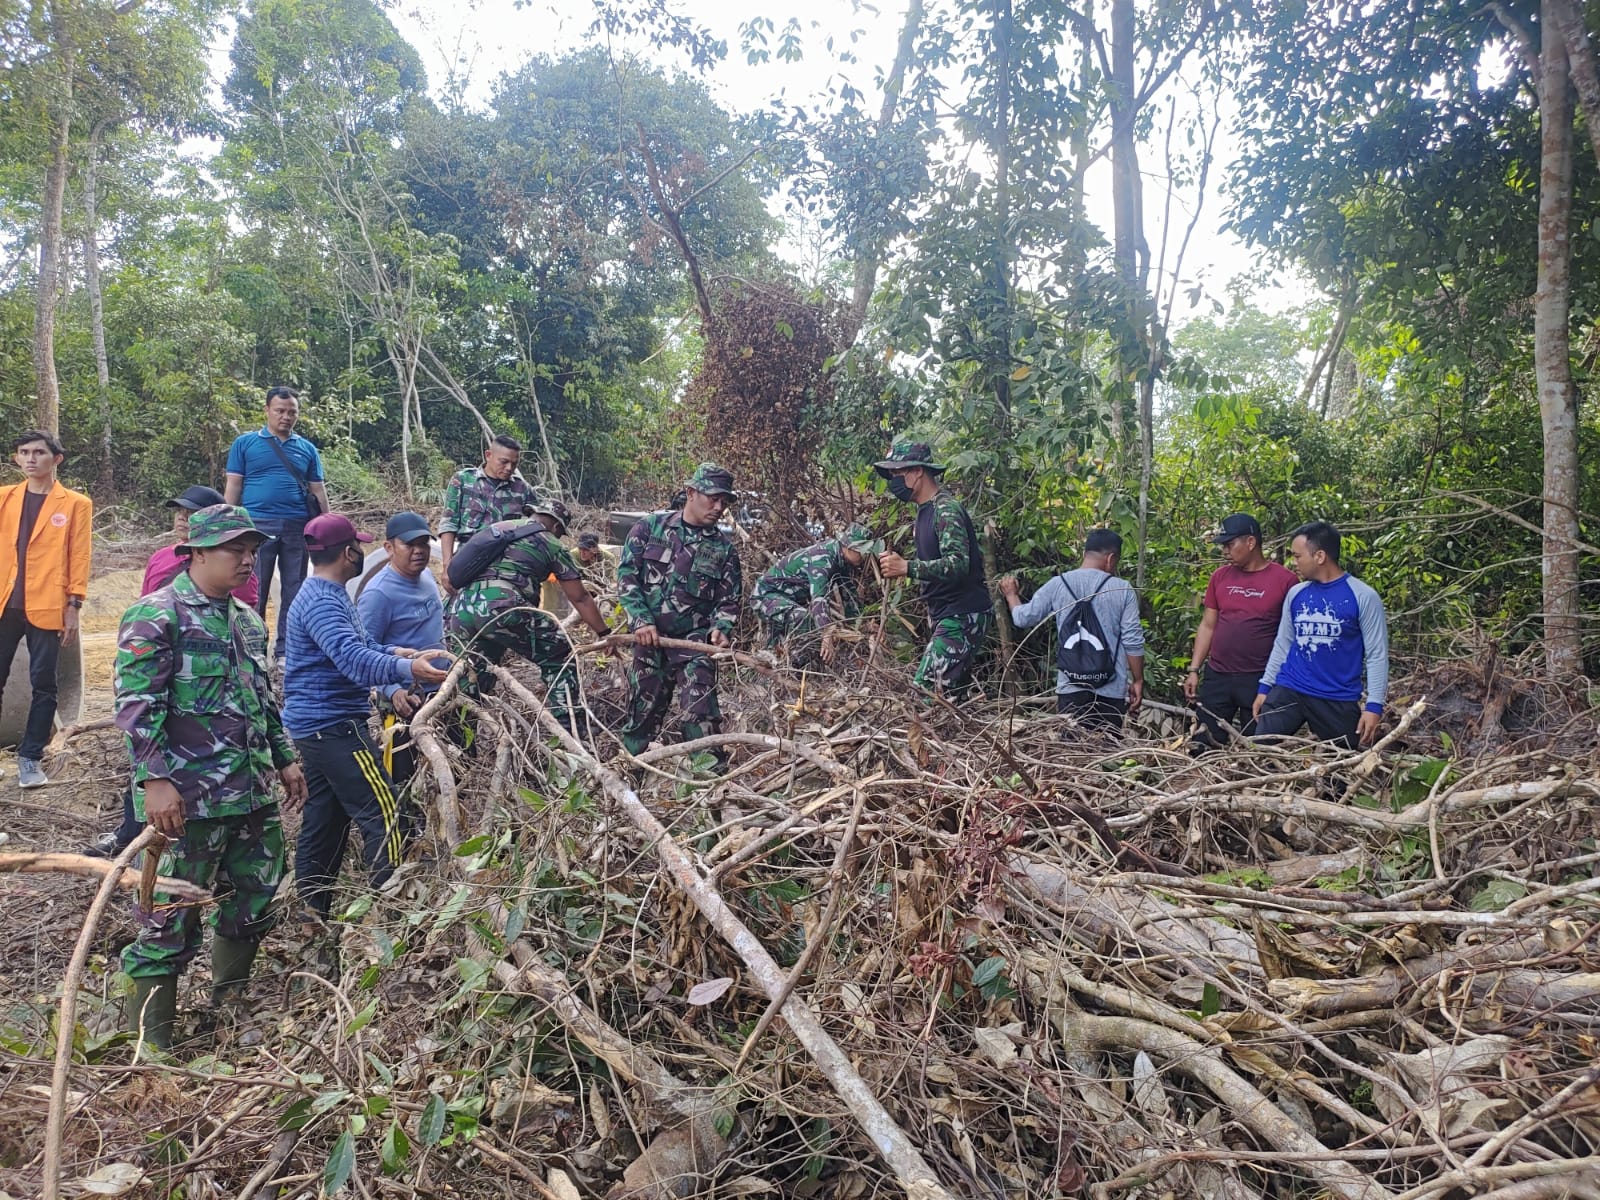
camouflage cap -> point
(218, 525)
(711, 480)
(553, 509)
(859, 537)
(906, 453)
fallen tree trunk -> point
(886, 1136)
(1082, 1033)
(1322, 998)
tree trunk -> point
(47, 391)
(1568, 18)
(97, 308)
(1125, 205)
(1000, 143)
(1558, 409)
(869, 258)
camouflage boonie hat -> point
(551, 508)
(218, 525)
(859, 537)
(711, 480)
(905, 454)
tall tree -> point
(1552, 356)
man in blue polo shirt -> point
(276, 476)
(400, 606)
(1333, 632)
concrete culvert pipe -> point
(18, 696)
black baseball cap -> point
(195, 498)
(407, 527)
(1238, 525)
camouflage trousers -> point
(952, 652)
(240, 859)
(530, 633)
(653, 677)
(783, 617)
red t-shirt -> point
(165, 566)
(1248, 606)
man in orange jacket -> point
(45, 540)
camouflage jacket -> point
(514, 581)
(949, 562)
(683, 579)
(475, 499)
(808, 576)
(194, 701)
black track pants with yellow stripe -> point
(346, 785)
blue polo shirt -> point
(398, 611)
(270, 491)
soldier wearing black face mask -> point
(948, 565)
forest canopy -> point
(608, 262)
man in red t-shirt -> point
(165, 565)
(1244, 602)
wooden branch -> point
(1508, 515)
(67, 1019)
(98, 868)
(815, 944)
(1204, 1064)
(674, 227)
(886, 1136)
(694, 1106)
(612, 641)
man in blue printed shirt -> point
(276, 476)
(332, 665)
(400, 606)
(1332, 632)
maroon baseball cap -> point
(332, 529)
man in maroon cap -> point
(332, 666)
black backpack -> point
(485, 548)
(1085, 655)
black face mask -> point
(900, 489)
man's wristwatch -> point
(74, 602)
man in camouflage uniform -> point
(204, 734)
(792, 597)
(948, 565)
(479, 496)
(679, 578)
(498, 613)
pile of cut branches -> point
(901, 948)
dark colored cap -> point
(218, 524)
(407, 526)
(905, 454)
(1238, 525)
(553, 509)
(711, 480)
(588, 541)
(197, 497)
(332, 529)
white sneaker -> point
(30, 774)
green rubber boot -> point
(230, 968)
(154, 1006)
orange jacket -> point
(58, 552)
